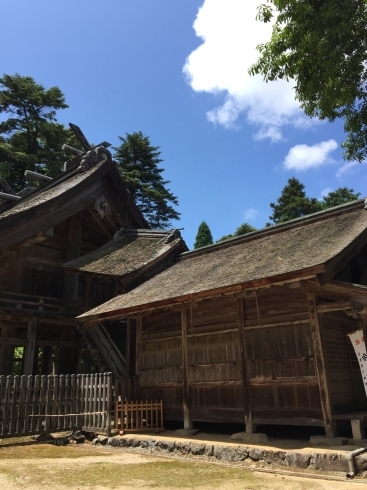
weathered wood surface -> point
(138, 415)
(41, 404)
(321, 368)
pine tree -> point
(30, 138)
(138, 162)
(342, 195)
(293, 203)
(204, 236)
(241, 230)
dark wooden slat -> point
(247, 400)
(185, 382)
(320, 367)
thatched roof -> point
(304, 247)
(129, 251)
(59, 199)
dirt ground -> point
(83, 468)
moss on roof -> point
(126, 254)
(280, 250)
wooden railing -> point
(139, 416)
(43, 404)
(37, 304)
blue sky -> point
(177, 71)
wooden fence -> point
(135, 416)
(43, 404)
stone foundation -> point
(315, 460)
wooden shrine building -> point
(86, 211)
(255, 328)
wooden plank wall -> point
(279, 359)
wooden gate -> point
(43, 404)
(136, 416)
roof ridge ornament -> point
(92, 155)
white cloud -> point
(250, 214)
(230, 34)
(304, 157)
(326, 191)
(349, 167)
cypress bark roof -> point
(310, 245)
(129, 251)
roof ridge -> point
(318, 216)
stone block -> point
(219, 452)
(197, 449)
(241, 453)
(182, 447)
(166, 445)
(256, 438)
(357, 442)
(298, 460)
(209, 450)
(360, 463)
(274, 457)
(329, 462)
(114, 441)
(256, 454)
(328, 441)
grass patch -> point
(47, 451)
(163, 475)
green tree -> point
(138, 162)
(204, 236)
(30, 138)
(241, 230)
(342, 195)
(322, 46)
(293, 203)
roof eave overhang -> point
(309, 273)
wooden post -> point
(139, 327)
(247, 401)
(16, 270)
(128, 348)
(320, 366)
(185, 382)
(6, 351)
(73, 252)
(30, 347)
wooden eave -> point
(305, 274)
(28, 222)
(130, 276)
(336, 264)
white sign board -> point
(357, 339)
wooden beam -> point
(185, 381)
(337, 306)
(247, 401)
(30, 347)
(320, 364)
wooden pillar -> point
(73, 252)
(185, 381)
(6, 351)
(320, 364)
(128, 348)
(139, 328)
(247, 401)
(88, 292)
(46, 361)
(30, 348)
(68, 356)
